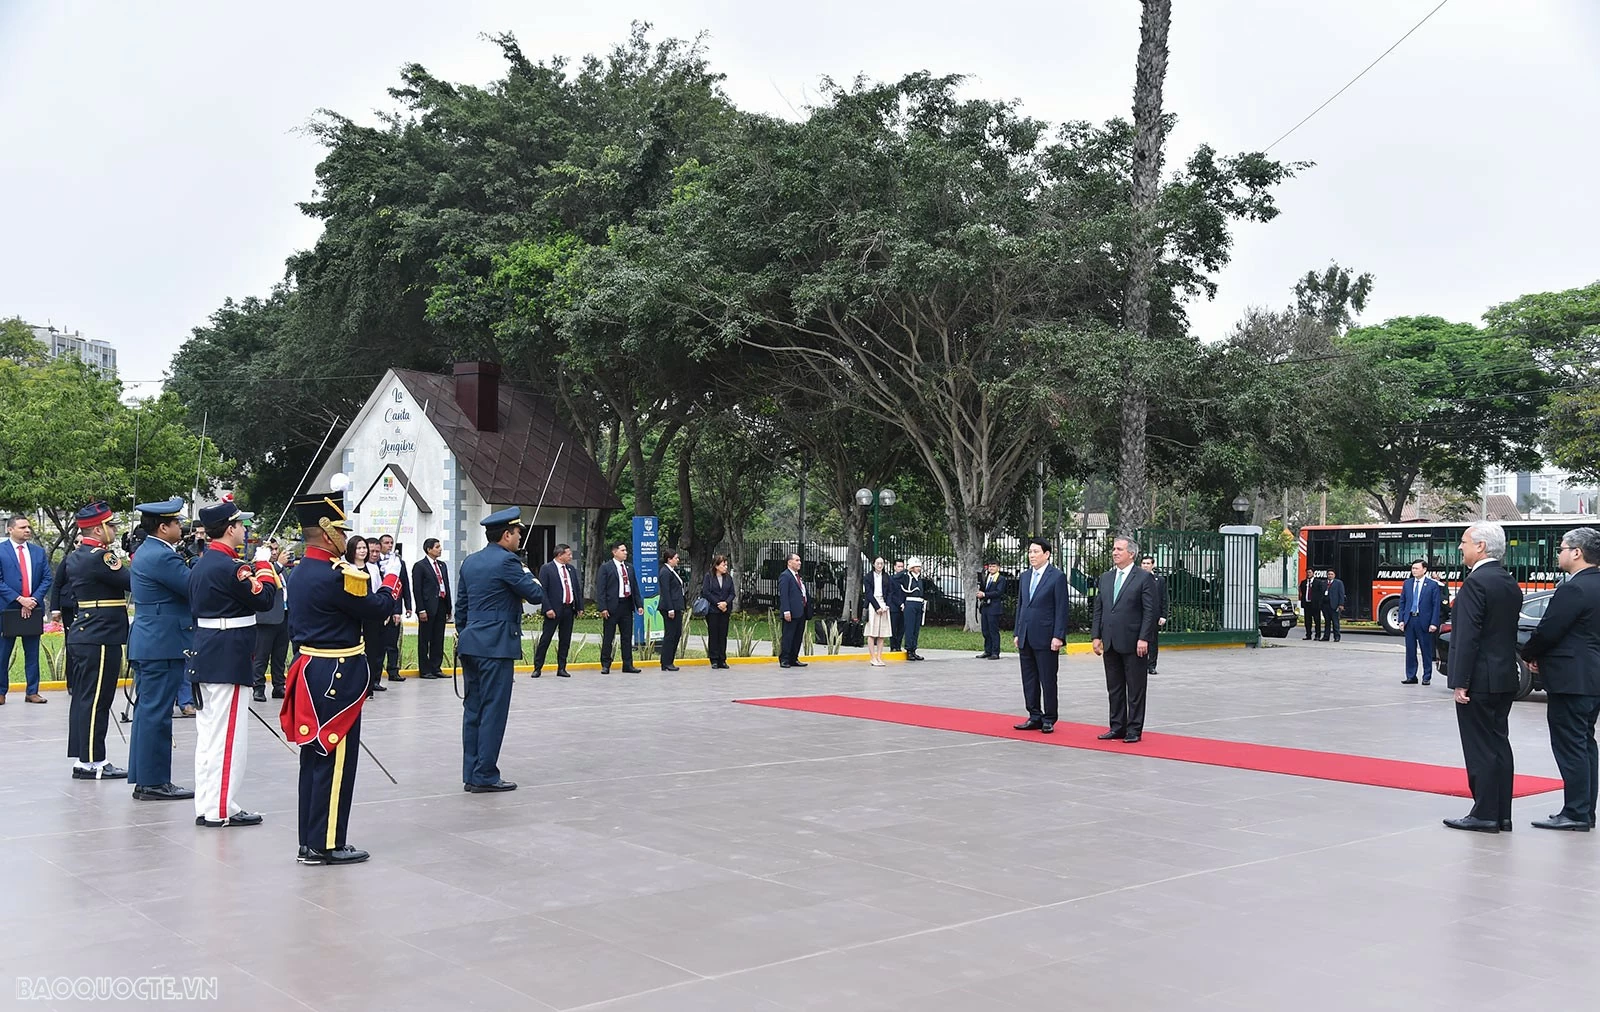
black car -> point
(1533, 606)
(1275, 616)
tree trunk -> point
(969, 562)
(1149, 136)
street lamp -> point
(868, 497)
(1241, 505)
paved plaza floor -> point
(671, 851)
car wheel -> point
(1524, 679)
(1389, 617)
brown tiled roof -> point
(1503, 507)
(510, 466)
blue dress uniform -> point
(492, 586)
(327, 681)
(163, 631)
(97, 578)
(224, 596)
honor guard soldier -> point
(327, 681)
(97, 578)
(224, 596)
(493, 584)
(163, 631)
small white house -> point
(429, 456)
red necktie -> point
(27, 576)
(566, 588)
(802, 587)
(624, 571)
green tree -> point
(1437, 401)
(1332, 298)
(1563, 329)
(17, 342)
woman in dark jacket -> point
(355, 553)
(717, 589)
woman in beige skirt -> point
(876, 595)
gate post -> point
(1241, 575)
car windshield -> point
(1533, 608)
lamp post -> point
(875, 498)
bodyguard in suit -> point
(394, 630)
(1419, 615)
(1124, 623)
(1041, 630)
(1315, 601)
(670, 606)
(795, 604)
(1333, 605)
(991, 602)
(563, 599)
(24, 588)
(272, 638)
(161, 635)
(1148, 564)
(897, 607)
(98, 577)
(431, 580)
(328, 678)
(1565, 650)
(225, 597)
(619, 600)
(494, 583)
(1483, 673)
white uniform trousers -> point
(220, 749)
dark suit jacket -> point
(895, 592)
(1041, 613)
(1305, 592)
(1567, 641)
(715, 589)
(163, 627)
(993, 591)
(550, 577)
(1336, 593)
(1122, 623)
(1483, 636)
(790, 599)
(1427, 601)
(610, 598)
(1161, 596)
(427, 585)
(671, 594)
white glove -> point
(263, 554)
(393, 566)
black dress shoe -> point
(494, 788)
(259, 695)
(1049, 727)
(563, 673)
(798, 664)
(432, 674)
(106, 772)
(633, 671)
(1427, 681)
(237, 819)
(605, 671)
(915, 657)
(982, 657)
(377, 687)
(1559, 821)
(1132, 739)
(534, 675)
(1408, 681)
(277, 693)
(783, 664)
(1151, 671)
(1474, 825)
(1031, 725)
(342, 855)
(1109, 735)
(396, 678)
(1505, 825)
(669, 667)
(161, 792)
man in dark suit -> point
(1483, 673)
(795, 604)
(1123, 625)
(991, 602)
(430, 579)
(563, 599)
(272, 636)
(897, 605)
(1148, 564)
(1419, 615)
(670, 606)
(1040, 631)
(1315, 601)
(395, 629)
(494, 583)
(24, 587)
(1333, 605)
(1565, 650)
(619, 600)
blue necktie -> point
(1116, 591)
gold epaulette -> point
(356, 582)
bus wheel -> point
(1389, 617)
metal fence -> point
(1193, 565)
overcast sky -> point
(150, 159)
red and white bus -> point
(1374, 560)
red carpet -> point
(1296, 762)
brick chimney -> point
(478, 394)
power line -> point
(1358, 77)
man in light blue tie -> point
(1124, 623)
(1041, 630)
(1419, 615)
